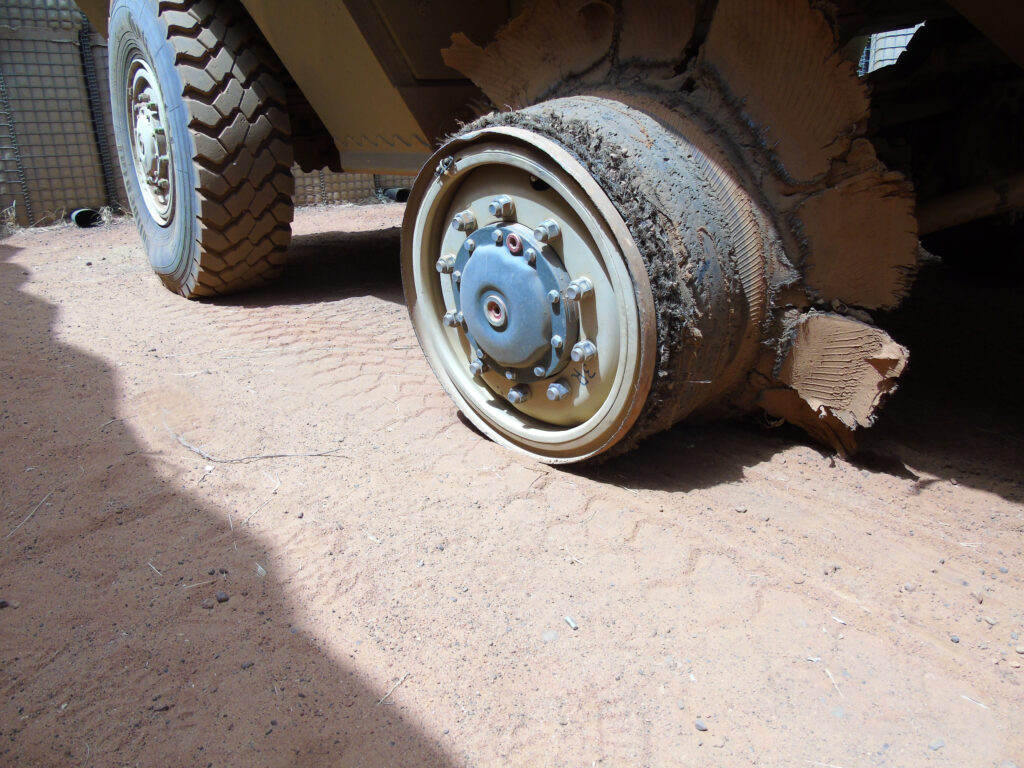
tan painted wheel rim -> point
(150, 140)
(546, 182)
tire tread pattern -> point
(238, 118)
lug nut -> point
(553, 297)
(460, 319)
(502, 207)
(511, 375)
(579, 289)
(558, 390)
(547, 230)
(583, 351)
(519, 394)
(477, 367)
(464, 221)
(497, 236)
(556, 342)
(449, 320)
(539, 371)
(446, 264)
(531, 256)
(470, 246)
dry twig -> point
(29, 515)
(393, 687)
(332, 453)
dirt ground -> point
(402, 592)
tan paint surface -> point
(324, 51)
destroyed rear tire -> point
(203, 140)
(632, 256)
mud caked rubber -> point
(225, 225)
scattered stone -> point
(222, 596)
(301, 515)
(909, 587)
(1003, 569)
(1019, 648)
(978, 596)
(3, 604)
(937, 744)
(991, 622)
(680, 704)
(247, 664)
(699, 724)
(222, 571)
(741, 510)
(212, 571)
(942, 561)
(207, 604)
(954, 638)
(1013, 635)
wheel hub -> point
(508, 287)
(150, 147)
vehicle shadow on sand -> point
(110, 656)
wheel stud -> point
(470, 246)
(558, 390)
(449, 320)
(502, 207)
(539, 371)
(554, 297)
(579, 289)
(446, 264)
(547, 230)
(519, 394)
(477, 367)
(531, 256)
(464, 221)
(497, 236)
(556, 342)
(583, 351)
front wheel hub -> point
(504, 300)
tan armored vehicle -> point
(626, 213)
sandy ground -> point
(738, 596)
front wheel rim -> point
(544, 232)
(150, 139)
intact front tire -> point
(203, 141)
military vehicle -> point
(624, 213)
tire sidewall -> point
(136, 27)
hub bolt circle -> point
(547, 230)
(579, 289)
(558, 390)
(583, 351)
(519, 394)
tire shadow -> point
(117, 650)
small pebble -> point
(991, 622)
(700, 725)
(909, 587)
(212, 571)
(1019, 648)
(1003, 569)
(301, 515)
(207, 604)
(937, 744)
(3, 603)
(942, 561)
(247, 664)
(954, 638)
(222, 596)
(223, 571)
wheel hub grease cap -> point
(510, 293)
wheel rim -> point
(528, 295)
(149, 136)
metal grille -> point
(57, 148)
